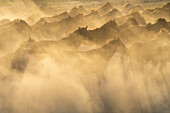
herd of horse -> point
(130, 35)
(140, 37)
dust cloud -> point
(107, 60)
(22, 9)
